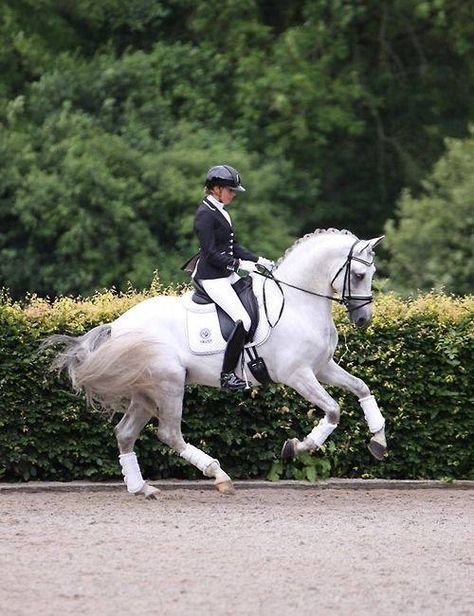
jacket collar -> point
(208, 203)
(216, 208)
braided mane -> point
(309, 236)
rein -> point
(344, 300)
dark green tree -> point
(332, 106)
(82, 208)
(432, 243)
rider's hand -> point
(245, 268)
(267, 263)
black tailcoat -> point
(219, 249)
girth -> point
(244, 290)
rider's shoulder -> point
(205, 208)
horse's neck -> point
(307, 266)
(310, 266)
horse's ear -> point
(373, 243)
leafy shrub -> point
(416, 355)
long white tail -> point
(110, 369)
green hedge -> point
(417, 357)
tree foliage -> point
(433, 244)
(111, 112)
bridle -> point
(346, 298)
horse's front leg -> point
(305, 383)
(333, 374)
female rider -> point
(220, 258)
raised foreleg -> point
(170, 402)
(305, 383)
(127, 431)
(333, 374)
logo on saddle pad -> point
(205, 335)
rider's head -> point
(223, 181)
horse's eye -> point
(360, 276)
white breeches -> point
(220, 291)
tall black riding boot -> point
(235, 344)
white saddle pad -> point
(204, 332)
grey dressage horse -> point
(141, 362)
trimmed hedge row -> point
(417, 357)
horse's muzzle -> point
(360, 316)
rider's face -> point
(225, 194)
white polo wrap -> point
(131, 472)
(320, 433)
(373, 416)
(201, 460)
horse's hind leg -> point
(333, 374)
(170, 404)
(127, 431)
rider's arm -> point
(242, 253)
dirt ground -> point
(259, 552)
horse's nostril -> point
(361, 321)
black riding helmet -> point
(224, 175)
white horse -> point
(143, 358)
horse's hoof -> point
(150, 492)
(225, 487)
(288, 451)
(377, 450)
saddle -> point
(244, 290)
(209, 327)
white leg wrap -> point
(131, 472)
(373, 416)
(320, 433)
(207, 465)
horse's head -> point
(353, 280)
